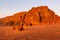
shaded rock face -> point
(35, 16)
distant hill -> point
(35, 16)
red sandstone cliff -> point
(36, 15)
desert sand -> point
(36, 32)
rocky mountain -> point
(35, 16)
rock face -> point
(35, 16)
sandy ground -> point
(37, 32)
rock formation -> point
(35, 16)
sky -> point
(10, 7)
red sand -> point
(37, 32)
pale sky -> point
(9, 7)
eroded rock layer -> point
(35, 16)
